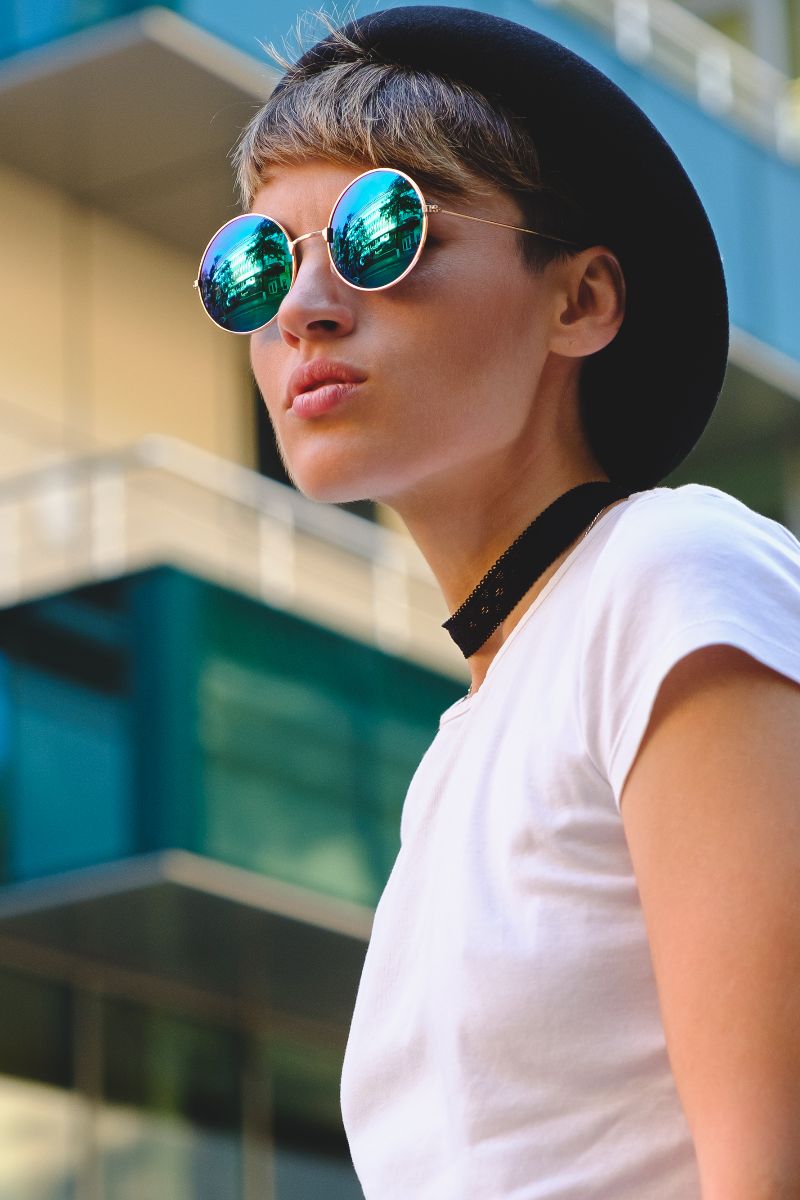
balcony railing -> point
(725, 78)
(162, 500)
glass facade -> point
(179, 714)
(171, 1119)
(161, 1042)
(132, 1099)
(42, 1117)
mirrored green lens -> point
(245, 273)
(377, 229)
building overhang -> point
(180, 922)
(136, 117)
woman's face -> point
(449, 359)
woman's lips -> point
(322, 399)
(317, 387)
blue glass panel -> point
(70, 778)
(5, 713)
(27, 23)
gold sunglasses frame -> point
(327, 234)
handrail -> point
(229, 480)
(726, 78)
(98, 515)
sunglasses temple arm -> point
(434, 208)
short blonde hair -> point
(449, 137)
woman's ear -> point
(591, 303)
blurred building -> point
(770, 28)
(213, 693)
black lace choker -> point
(528, 557)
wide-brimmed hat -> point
(648, 395)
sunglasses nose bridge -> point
(326, 234)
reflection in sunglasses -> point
(245, 273)
(377, 227)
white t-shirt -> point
(506, 1042)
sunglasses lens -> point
(377, 229)
(245, 273)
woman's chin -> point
(328, 488)
(335, 474)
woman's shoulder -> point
(680, 569)
(678, 556)
(694, 526)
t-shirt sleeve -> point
(682, 569)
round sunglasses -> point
(374, 235)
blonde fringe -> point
(364, 112)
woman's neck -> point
(463, 530)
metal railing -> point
(160, 500)
(724, 77)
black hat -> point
(648, 395)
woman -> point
(481, 289)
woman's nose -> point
(318, 305)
